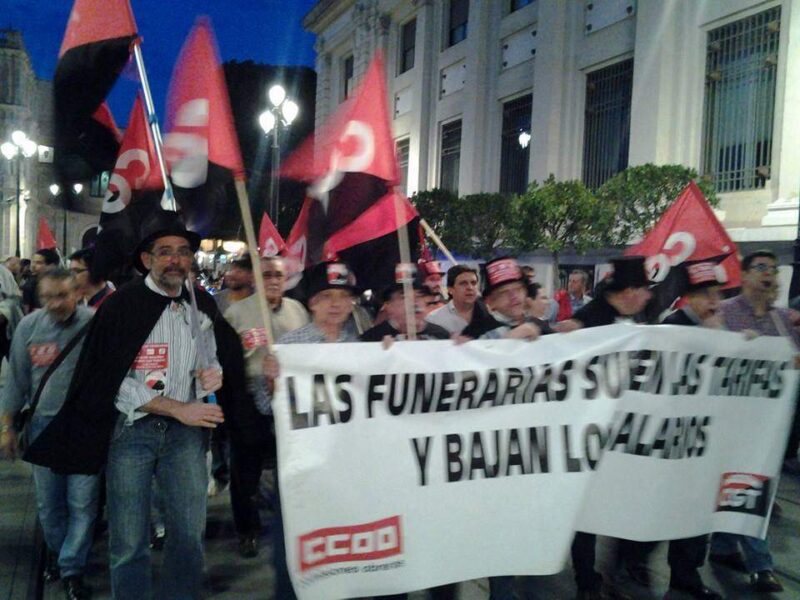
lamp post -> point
(20, 146)
(281, 113)
(54, 190)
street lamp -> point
(281, 114)
(20, 146)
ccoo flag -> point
(95, 49)
(201, 147)
(270, 242)
(350, 211)
(687, 232)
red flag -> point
(686, 233)
(96, 47)
(136, 168)
(270, 242)
(351, 164)
(201, 147)
(44, 237)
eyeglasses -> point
(165, 253)
(764, 268)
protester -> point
(686, 556)
(14, 264)
(252, 429)
(432, 274)
(143, 391)
(92, 288)
(753, 312)
(395, 325)
(431, 300)
(238, 283)
(10, 309)
(331, 292)
(575, 296)
(67, 504)
(537, 304)
(462, 285)
(43, 261)
(505, 290)
(625, 295)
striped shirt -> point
(166, 362)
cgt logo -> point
(744, 492)
(368, 541)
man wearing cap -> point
(432, 274)
(752, 311)
(331, 292)
(686, 556)
(394, 327)
(252, 438)
(505, 291)
(624, 296)
(238, 281)
(136, 402)
(462, 285)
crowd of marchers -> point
(134, 404)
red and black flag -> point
(201, 147)
(96, 47)
(270, 242)
(687, 233)
(134, 190)
(352, 210)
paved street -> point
(231, 577)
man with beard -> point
(753, 312)
(238, 283)
(251, 431)
(137, 402)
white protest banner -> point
(428, 463)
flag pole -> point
(437, 240)
(152, 120)
(405, 257)
(252, 249)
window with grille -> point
(347, 77)
(607, 122)
(408, 40)
(741, 67)
(451, 156)
(403, 148)
(515, 145)
(457, 21)
(517, 4)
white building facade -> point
(592, 86)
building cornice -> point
(323, 13)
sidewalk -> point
(19, 539)
(229, 577)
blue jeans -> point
(176, 455)
(757, 556)
(67, 507)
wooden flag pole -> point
(437, 240)
(405, 257)
(252, 249)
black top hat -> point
(159, 224)
(500, 271)
(628, 273)
(332, 275)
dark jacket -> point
(77, 439)
(679, 317)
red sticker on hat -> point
(43, 355)
(503, 270)
(338, 274)
(404, 272)
(152, 357)
(704, 272)
(254, 338)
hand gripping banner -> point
(428, 463)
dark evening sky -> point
(265, 31)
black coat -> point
(77, 439)
(679, 317)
